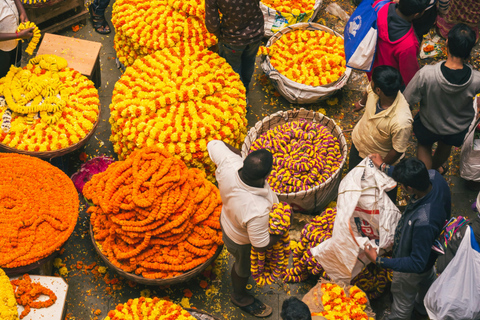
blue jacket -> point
(417, 229)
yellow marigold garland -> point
(8, 304)
(147, 308)
(143, 27)
(154, 216)
(47, 106)
(290, 6)
(180, 99)
(310, 57)
(36, 35)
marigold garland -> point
(147, 308)
(36, 35)
(271, 264)
(290, 6)
(180, 99)
(26, 292)
(311, 57)
(143, 27)
(38, 209)
(47, 105)
(8, 304)
(154, 216)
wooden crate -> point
(69, 11)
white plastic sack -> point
(470, 158)
(296, 92)
(365, 214)
(455, 294)
(276, 21)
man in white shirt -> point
(247, 200)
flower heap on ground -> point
(26, 292)
(315, 232)
(271, 264)
(8, 304)
(290, 6)
(310, 57)
(47, 106)
(154, 216)
(180, 99)
(305, 154)
(143, 27)
(38, 209)
(147, 308)
(36, 35)
(337, 305)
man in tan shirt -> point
(386, 126)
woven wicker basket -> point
(155, 282)
(55, 153)
(201, 315)
(26, 269)
(314, 199)
(296, 92)
(40, 4)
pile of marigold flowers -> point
(154, 216)
(47, 106)
(180, 99)
(271, 264)
(38, 209)
(337, 305)
(311, 57)
(147, 308)
(26, 292)
(8, 304)
(143, 27)
(290, 6)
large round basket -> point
(314, 199)
(293, 91)
(155, 282)
(40, 4)
(26, 269)
(55, 153)
(201, 315)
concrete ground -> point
(91, 294)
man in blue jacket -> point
(417, 229)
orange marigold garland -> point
(147, 308)
(38, 209)
(26, 292)
(154, 216)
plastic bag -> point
(469, 157)
(454, 295)
(365, 215)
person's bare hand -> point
(358, 106)
(370, 252)
(23, 17)
(376, 159)
(26, 34)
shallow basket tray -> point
(296, 92)
(201, 315)
(26, 269)
(55, 153)
(155, 282)
(40, 4)
(314, 199)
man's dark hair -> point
(294, 309)
(461, 39)
(388, 79)
(258, 164)
(412, 173)
(411, 7)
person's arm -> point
(380, 164)
(443, 6)
(274, 238)
(21, 11)
(408, 65)
(413, 92)
(212, 17)
(392, 156)
(259, 235)
(400, 138)
(24, 34)
(360, 104)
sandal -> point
(257, 309)
(99, 23)
(444, 168)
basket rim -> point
(156, 282)
(59, 152)
(281, 114)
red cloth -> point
(400, 54)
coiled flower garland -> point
(305, 154)
(143, 27)
(311, 57)
(36, 35)
(38, 209)
(180, 99)
(290, 6)
(270, 265)
(26, 292)
(8, 304)
(147, 308)
(49, 106)
(154, 216)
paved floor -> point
(91, 291)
